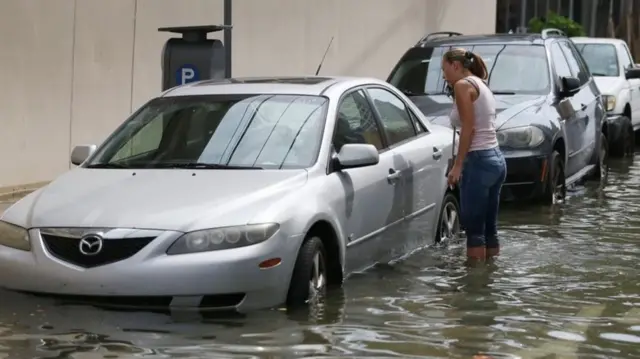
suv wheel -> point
(625, 145)
(602, 170)
(556, 189)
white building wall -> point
(72, 70)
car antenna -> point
(323, 56)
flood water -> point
(565, 286)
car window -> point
(627, 60)
(146, 140)
(602, 59)
(575, 66)
(355, 123)
(520, 69)
(559, 61)
(418, 124)
(267, 131)
(394, 115)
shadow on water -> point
(565, 285)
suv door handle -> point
(393, 176)
(437, 153)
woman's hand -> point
(454, 175)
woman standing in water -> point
(479, 168)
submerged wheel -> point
(556, 189)
(449, 221)
(625, 146)
(602, 169)
(309, 280)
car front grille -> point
(113, 250)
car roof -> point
(486, 39)
(596, 40)
(301, 85)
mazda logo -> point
(90, 245)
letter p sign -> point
(186, 74)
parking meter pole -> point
(228, 23)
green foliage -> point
(553, 20)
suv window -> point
(513, 68)
(355, 123)
(393, 114)
(559, 61)
(602, 59)
(573, 59)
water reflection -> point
(565, 284)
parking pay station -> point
(192, 57)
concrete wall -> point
(72, 70)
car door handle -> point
(437, 153)
(393, 176)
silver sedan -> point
(237, 194)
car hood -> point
(609, 85)
(438, 107)
(178, 200)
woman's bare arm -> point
(465, 95)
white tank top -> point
(484, 110)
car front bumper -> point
(526, 175)
(226, 279)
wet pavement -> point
(566, 286)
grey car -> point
(237, 194)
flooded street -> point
(565, 284)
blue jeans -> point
(483, 173)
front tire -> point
(602, 170)
(309, 280)
(625, 145)
(449, 219)
(556, 189)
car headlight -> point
(609, 102)
(520, 137)
(14, 236)
(223, 238)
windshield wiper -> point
(503, 92)
(202, 165)
(598, 74)
(106, 165)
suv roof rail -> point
(551, 31)
(439, 33)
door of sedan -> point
(368, 199)
(422, 164)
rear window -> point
(517, 69)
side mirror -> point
(354, 155)
(569, 86)
(81, 152)
(632, 73)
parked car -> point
(242, 194)
(618, 79)
(550, 116)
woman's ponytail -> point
(478, 67)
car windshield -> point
(218, 132)
(513, 69)
(602, 59)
